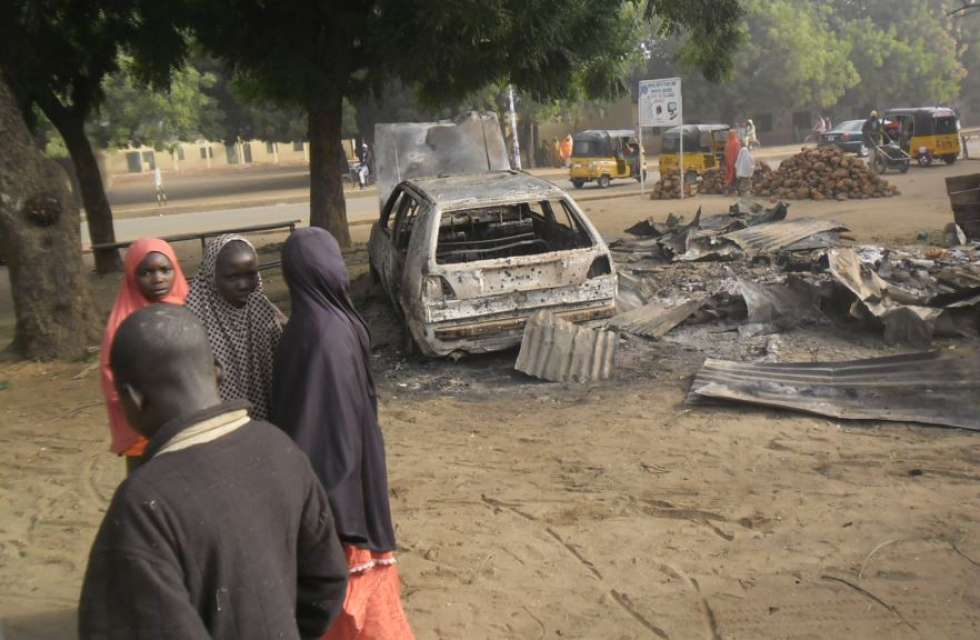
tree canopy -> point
(848, 54)
(316, 54)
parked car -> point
(466, 260)
(846, 136)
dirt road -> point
(532, 510)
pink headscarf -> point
(130, 299)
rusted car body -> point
(466, 260)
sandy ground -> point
(616, 511)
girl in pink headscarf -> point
(152, 274)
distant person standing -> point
(732, 148)
(566, 150)
(751, 139)
(555, 153)
(744, 169)
(158, 185)
(871, 131)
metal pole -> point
(641, 152)
(682, 155)
(513, 129)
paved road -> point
(358, 209)
(138, 189)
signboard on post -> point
(660, 105)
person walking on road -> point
(158, 186)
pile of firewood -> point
(712, 181)
(669, 187)
(821, 174)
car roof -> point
(456, 192)
(612, 133)
(699, 128)
(938, 112)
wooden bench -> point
(204, 235)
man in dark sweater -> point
(225, 532)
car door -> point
(405, 217)
(381, 249)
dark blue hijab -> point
(323, 393)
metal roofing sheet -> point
(773, 236)
(560, 351)
(655, 320)
(941, 388)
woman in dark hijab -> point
(323, 396)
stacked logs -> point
(712, 181)
(821, 174)
(669, 187)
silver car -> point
(466, 260)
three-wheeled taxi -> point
(704, 148)
(604, 155)
(926, 134)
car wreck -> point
(466, 260)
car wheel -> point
(578, 184)
(950, 159)
(603, 182)
(904, 168)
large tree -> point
(316, 53)
(39, 238)
(56, 54)
(134, 115)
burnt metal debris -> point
(770, 274)
(929, 388)
(559, 351)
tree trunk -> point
(97, 210)
(39, 236)
(327, 207)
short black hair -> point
(158, 343)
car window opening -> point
(521, 229)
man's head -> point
(163, 367)
(874, 114)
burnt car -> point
(846, 136)
(466, 260)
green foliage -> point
(56, 53)
(817, 55)
(134, 114)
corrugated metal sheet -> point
(773, 236)
(941, 388)
(557, 350)
(654, 320)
